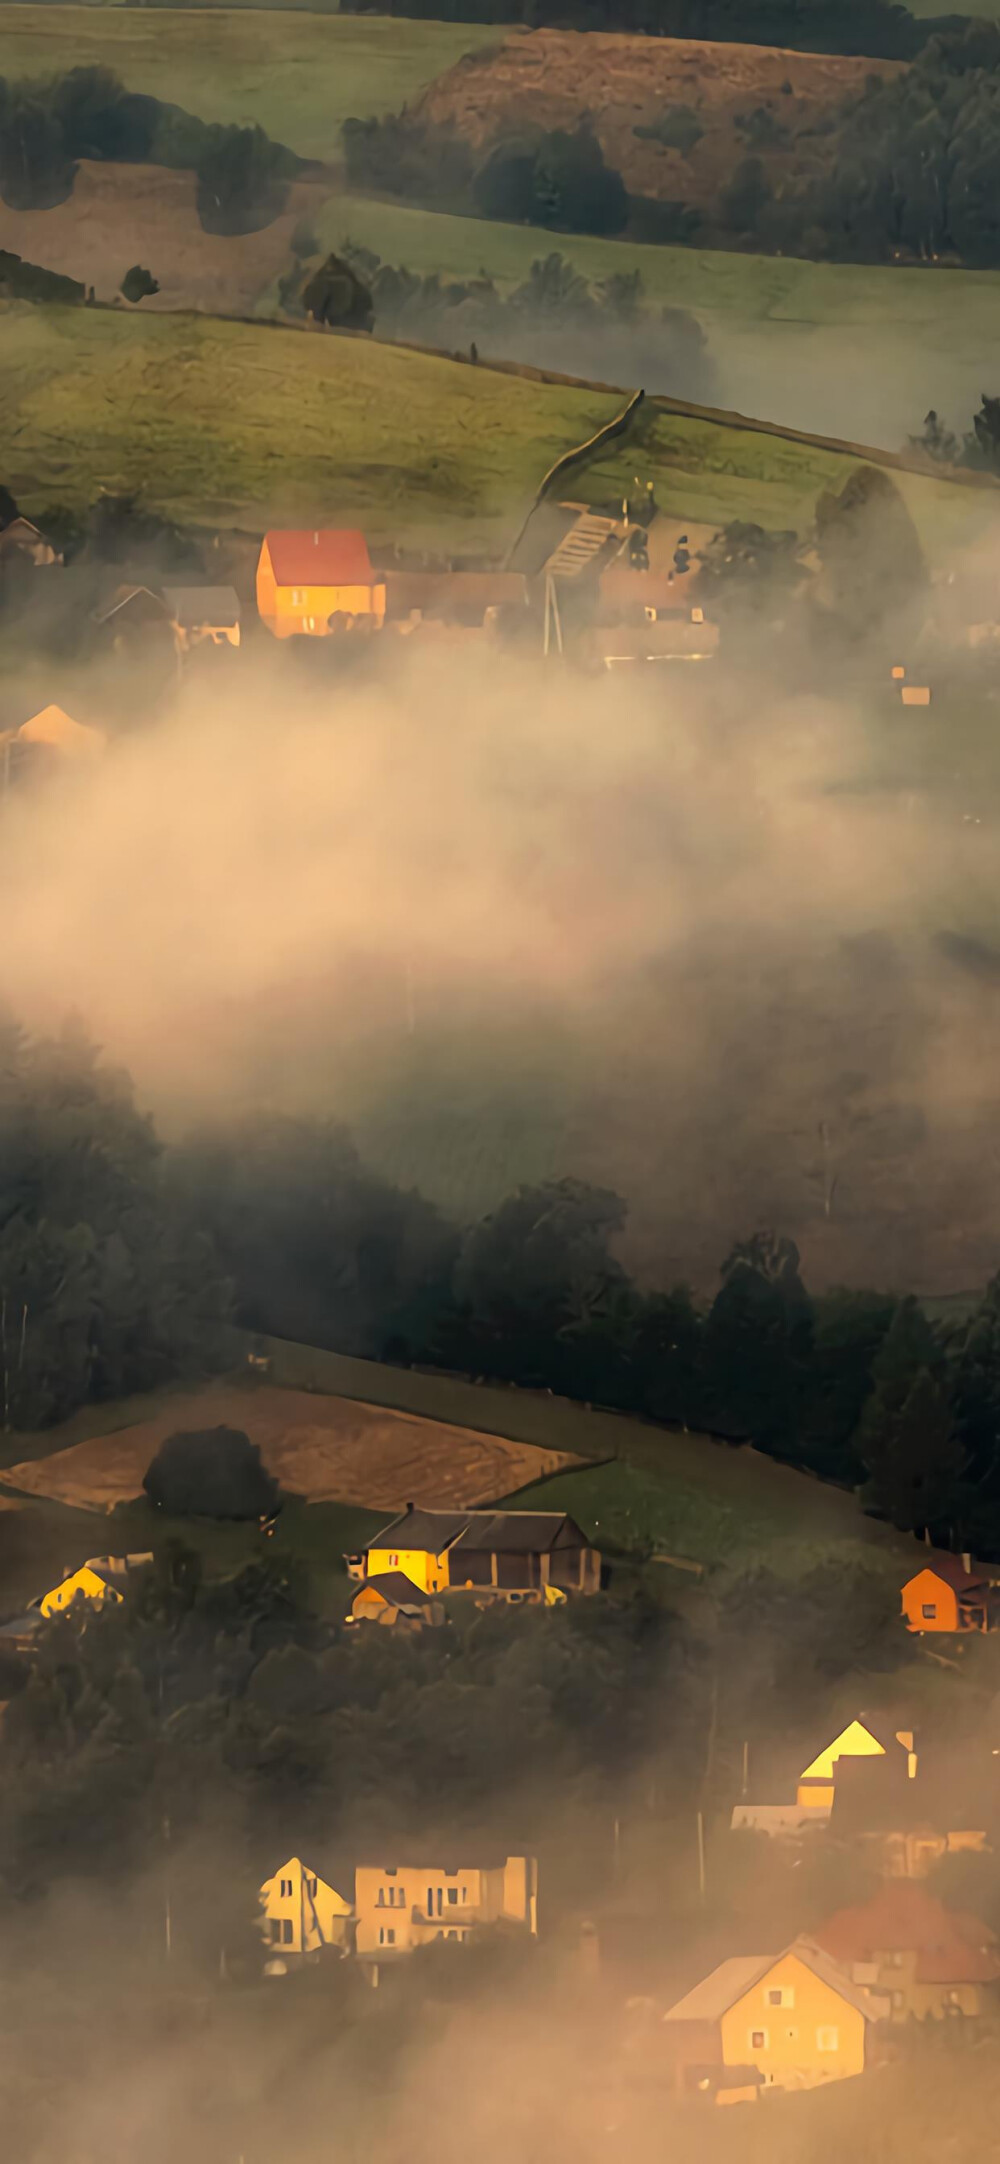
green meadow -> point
(300, 75)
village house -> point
(311, 583)
(201, 615)
(796, 2019)
(44, 742)
(99, 1580)
(134, 618)
(23, 542)
(907, 1826)
(301, 1913)
(509, 1550)
(400, 1907)
(927, 1960)
(948, 1594)
(395, 1602)
(869, 1736)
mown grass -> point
(299, 75)
(242, 425)
(706, 471)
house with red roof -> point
(320, 580)
(925, 1959)
(949, 1594)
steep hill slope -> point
(553, 78)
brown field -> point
(325, 1449)
(118, 215)
(552, 77)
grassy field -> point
(844, 349)
(300, 75)
(222, 422)
(705, 471)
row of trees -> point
(556, 178)
(878, 28)
(119, 1261)
(556, 318)
(47, 126)
(909, 168)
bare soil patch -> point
(118, 215)
(552, 78)
(325, 1449)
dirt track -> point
(555, 77)
(326, 1449)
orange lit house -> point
(947, 1595)
(796, 2019)
(928, 1960)
(315, 582)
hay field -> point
(322, 1449)
(235, 424)
(299, 75)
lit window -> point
(758, 2039)
(828, 2039)
(453, 1896)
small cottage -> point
(948, 1594)
(869, 1736)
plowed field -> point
(324, 1449)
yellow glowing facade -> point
(402, 1906)
(301, 1913)
(86, 1584)
(817, 1780)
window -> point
(287, 1932)
(781, 1995)
(453, 1897)
(894, 1961)
(380, 1903)
(296, 597)
(828, 2039)
(465, 1893)
(929, 1611)
(758, 2039)
(286, 1889)
(386, 1935)
(451, 1934)
(393, 1561)
(311, 1888)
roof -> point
(19, 1626)
(952, 1570)
(396, 1588)
(53, 727)
(197, 605)
(140, 599)
(327, 556)
(904, 1917)
(873, 1795)
(716, 1993)
(526, 1532)
(714, 1996)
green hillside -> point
(299, 75)
(248, 425)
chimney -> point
(409, 1509)
(967, 1563)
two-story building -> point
(796, 2018)
(399, 1907)
(507, 1550)
(870, 1735)
(950, 1594)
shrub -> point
(679, 128)
(138, 284)
(211, 1473)
(242, 184)
(336, 296)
